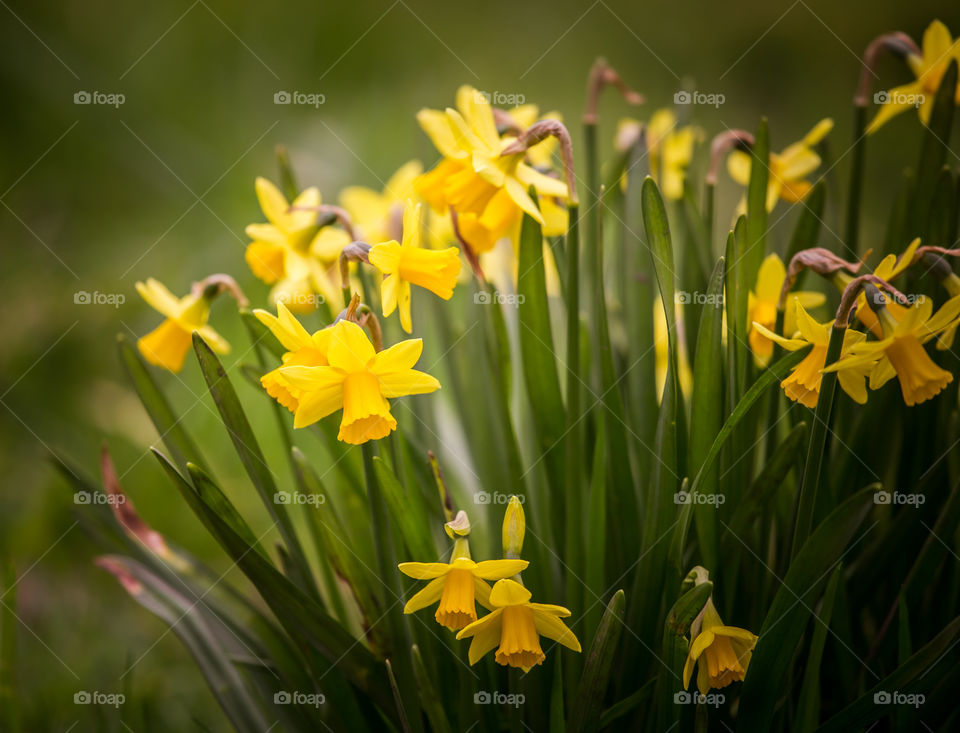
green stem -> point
(807, 502)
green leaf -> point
(416, 537)
(398, 698)
(676, 646)
(791, 610)
(934, 150)
(168, 425)
(429, 698)
(538, 355)
(187, 620)
(585, 712)
(211, 495)
(248, 449)
(768, 377)
(299, 614)
(707, 406)
(912, 677)
(857, 158)
(808, 708)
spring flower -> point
(377, 215)
(360, 381)
(457, 585)
(803, 383)
(291, 252)
(889, 268)
(487, 191)
(788, 169)
(902, 346)
(722, 653)
(928, 68)
(167, 345)
(515, 626)
(762, 307)
(303, 349)
(514, 528)
(669, 147)
(661, 347)
(407, 263)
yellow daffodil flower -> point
(514, 628)
(803, 383)
(303, 349)
(408, 263)
(938, 49)
(358, 380)
(762, 307)
(457, 585)
(889, 268)
(487, 191)
(788, 169)
(661, 347)
(670, 148)
(902, 348)
(291, 253)
(722, 653)
(167, 345)
(377, 215)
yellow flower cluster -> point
(515, 624)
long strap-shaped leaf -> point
(913, 676)
(585, 714)
(792, 607)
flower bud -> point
(459, 526)
(514, 528)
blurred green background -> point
(95, 197)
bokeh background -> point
(95, 197)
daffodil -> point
(457, 585)
(515, 626)
(762, 307)
(938, 50)
(722, 653)
(303, 349)
(889, 268)
(901, 354)
(167, 345)
(487, 191)
(803, 383)
(291, 252)
(358, 380)
(661, 347)
(788, 168)
(669, 147)
(406, 263)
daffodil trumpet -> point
(720, 653)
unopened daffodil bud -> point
(459, 526)
(514, 528)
